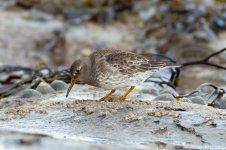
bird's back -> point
(126, 62)
(103, 53)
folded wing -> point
(129, 63)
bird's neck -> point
(86, 71)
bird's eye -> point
(77, 71)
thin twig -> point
(205, 61)
(214, 54)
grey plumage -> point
(111, 69)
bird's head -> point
(76, 73)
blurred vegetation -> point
(182, 15)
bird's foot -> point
(110, 99)
(105, 98)
(122, 98)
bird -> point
(112, 69)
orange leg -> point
(108, 95)
(123, 97)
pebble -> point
(59, 85)
(221, 103)
(44, 88)
(28, 93)
(198, 100)
(169, 91)
(165, 97)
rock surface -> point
(44, 88)
(73, 123)
(59, 85)
(28, 93)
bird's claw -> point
(122, 99)
(110, 99)
(103, 99)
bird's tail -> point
(169, 64)
(162, 59)
(174, 65)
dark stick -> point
(205, 61)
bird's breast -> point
(113, 81)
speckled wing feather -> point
(129, 63)
(102, 53)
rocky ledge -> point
(54, 121)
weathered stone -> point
(28, 93)
(164, 97)
(59, 85)
(198, 100)
(44, 88)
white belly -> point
(120, 81)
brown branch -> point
(205, 61)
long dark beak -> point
(73, 81)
